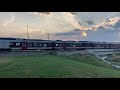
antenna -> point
(27, 33)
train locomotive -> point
(8, 44)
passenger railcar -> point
(73, 45)
(25, 44)
(8, 44)
(101, 45)
(58, 44)
(4, 45)
(39, 44)
(87, 44)
(114, 45)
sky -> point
(77, 26)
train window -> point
(35, 44)
(56, 45)
(79, 45)
(98, 45)
(29, 44)
(45, 45)
(12, 44)
(49, 45)
(71, 45)
(60, 45)
(74, 45)
(40, 45)
(67, 44)
(17, 44)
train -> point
(9, 44)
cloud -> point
(66, 18)
(47, 13)
(98, 27)
(117, 25)
(9, 21)
(89, 22)
(36, 30)
(42, 13)
(70, 33)
(73, 13)
(70, 19)
(112, 23)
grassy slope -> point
(55, 66)
(89, 59)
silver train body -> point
(8, 44)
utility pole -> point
(48, 36)
(27, 33)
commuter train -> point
(8, 44)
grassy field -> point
(53, 66)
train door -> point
(64, 45)
(24, 46)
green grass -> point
(88, 59)
(52, 66)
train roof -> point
(101, 42)
(5, 38)
(10, 38)
(23, 39)
(114, 42)
(36, 40)
(57, 40)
